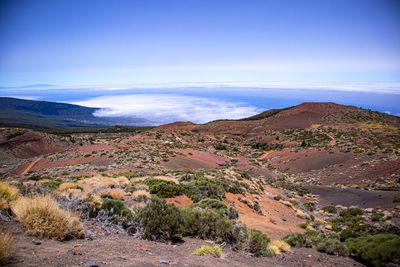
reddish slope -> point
(304, 115)
(301, 116)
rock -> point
(163, 261)
(387, 215)
(328, 227)
(91, 264)
(36, 242)
(369, 210)
(89, 235)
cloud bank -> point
(165, 108)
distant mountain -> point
(305, 115)
(61, 115)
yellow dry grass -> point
(278, 246)
(167, 178)
(114, 193)
(73, 193)
(377, 126)
(95, 201)
(8, 193)
(42, 217)
(5, 244)
(123, 181)
(66, 186)
(90, 185)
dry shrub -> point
(66, 186)
(90, 185)
(5, 244)
(74, 193)
(167, 178)
(43, 217)
(123, 181)
(114, 193)
(141, 194)
(8, 193)
(278, 246)
(95, 201)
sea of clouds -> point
(165, 108)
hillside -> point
(60, 115)
(315, 179)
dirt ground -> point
(117, 249)
(349, 197)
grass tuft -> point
(215, 251)
(7, 193)
(5, 245)
(278, 246)
(42, 217)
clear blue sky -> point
(158, 41)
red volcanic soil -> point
(277, 220)
(194, 159)
(302, 116)
(352, 172)
(92, 148)
(24, 143)
(303, 160)
(180, 201)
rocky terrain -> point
(320, 176)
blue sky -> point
(320, 44)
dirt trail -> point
(333, 142)
(265, 155)
(30, 166)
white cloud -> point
(371, 87)
(169, 108)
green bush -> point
(267, 252)
(54, 184)
(163, 188)
(258, 242)
(116, 207)
(376, 250)
(204, 188)
(309, 206)
(332, 247)
(212, 204)
(159, 220)
(330, 209)
(202, 221)
(295, 240)
(357, 231)
(377, 216)
(351, 212)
